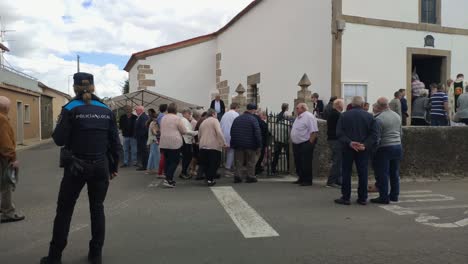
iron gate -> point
(278, 151)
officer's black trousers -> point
(96, 175)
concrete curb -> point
(33, 145)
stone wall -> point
(429, 152)
(143, 81)
(222, 86)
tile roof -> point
(186, 43)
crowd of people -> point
(200, 143)
(159, 143)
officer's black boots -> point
(47, 260)
(96, 259)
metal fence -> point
(278, 151)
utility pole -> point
(78, 63)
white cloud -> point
(120, 27)
(57, 73)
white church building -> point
(346, 47)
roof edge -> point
(43, 86)
(3, 47)
(189, 42)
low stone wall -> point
(429, 152)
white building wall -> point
(455, 13)
(377, 56)
(187, 74)
(396, 10)
(282, 40)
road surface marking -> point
(404, 192)
(249, 222)
(282, 179)
(155, 183)
(442, 199)
(425, 219)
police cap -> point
(79, 77)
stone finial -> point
(240, 89)
(304, 82)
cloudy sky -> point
(48, 34)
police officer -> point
(88, 131)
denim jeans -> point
(439, 121)
(362, 165)
(130, 150)
(154, 157)
(387, 166)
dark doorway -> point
(429, 68)
(46, 117)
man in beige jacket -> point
(7, 159)
(211, 144)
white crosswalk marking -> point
(249, 222)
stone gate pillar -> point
(304, 95)
(240, 98)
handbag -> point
(9, 177)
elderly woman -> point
(421, 107)
(187, 149)
(211, 144)
(172, 130)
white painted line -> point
(406, 192)
(444, 199)
(249, 222)
(422, 195)
(282, 179)
(442, 207)
(398, 210)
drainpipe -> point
(40, 119)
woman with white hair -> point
(421, 107)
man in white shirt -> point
(226, 124)
(304, 134)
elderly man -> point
(141, 134)
(127, 125)
(334, 179)
(246, 140)
(8, 164)
(218, 105)
(304, 134)
(226, 124)
(358, 132)
(462, 111)
(388, 154)
(395, 104)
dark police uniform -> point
(89, 133)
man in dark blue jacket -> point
(246, 140)
(358, 132)
(141, 134)
(404, 107)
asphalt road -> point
(196, 224)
